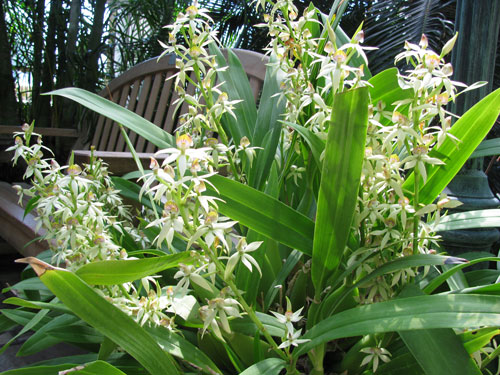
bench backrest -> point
(146, 90)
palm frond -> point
(389, 24)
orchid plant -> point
(299, 236)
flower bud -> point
(154, 164)
(359, 37)
(169, 170)
(329, 48)
(244, 142)
(447, 70)
(424, 42)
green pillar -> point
(473, 59)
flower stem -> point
(241, 300)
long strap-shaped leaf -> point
(437, 351)
(470, 130)
(339, 182)
(267, 129)
(470, 219)
(112, 272)
(98, 368)
(328, 306)
(105, 317)
(425, 312)
(121, 115)
(270, 366)
(264, 214)
(235, 83)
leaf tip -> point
(39, 266)
(455, 260)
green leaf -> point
(267, 130)
(493, 289)
(385, 88)
(236, 85)
(289, 265)
(437, 351)
(436, 282)
(413, 313)
(245, 326)
(31, 323)
(475, 340)
(41, 339)
(109, 320)
(23, 318)
(106, 348)
(112, 272)
(121, 115)
(36, 304)
(470, 219)
(31, 205)
(412, 261)
(470, 129)
(77, 333)
(345, 147)
(179, 347)
(131, 190)
(270, 366)
(264, 214)
(488, 147)
(32, 283)
(316, 144)
(6, 323)
(482, 277)
(97, 368)
(40, 370)
(402, 364)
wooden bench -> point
(147, 90)
(144, 89)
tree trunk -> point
(74, 22)
(38, 25)
(94, 47)
(69, 76)
(49, 64)
(9, 114)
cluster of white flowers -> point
(392, 227)
(179, 185)
(76, 207)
